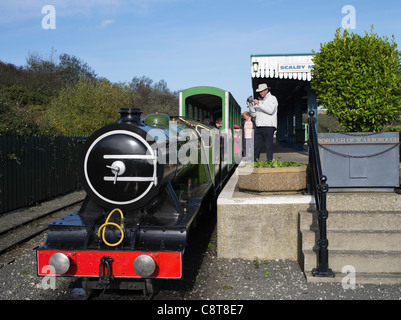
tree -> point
(154, 98)
(63, 95)
(56, 72)
(41, 75)
(70, 69)
(84, 107)
(358, 80)
(21, 121)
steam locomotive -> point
(146, 181)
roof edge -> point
(281, 55)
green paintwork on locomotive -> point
(193, 175)
(157, 119)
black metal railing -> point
(318, 186)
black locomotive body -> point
(145, 184)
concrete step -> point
(359, 236)
(360, 278)
(361, 261)
(376, 240)
(354, 221)
(364, 202)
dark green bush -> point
(358, 80)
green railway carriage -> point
(198, 103)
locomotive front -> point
(119, 166)
(120, 170)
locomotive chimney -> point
(130, 115)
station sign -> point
(295, 67)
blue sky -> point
(184, 42)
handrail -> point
(318, 186)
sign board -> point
(295, 67)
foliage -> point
(86, 106)
(63, 95)
(326, 123)
(275, 163)
(154, 98)
(67, 70)
(358, 80)
(26, 92)
(21, 121)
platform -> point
(364, 230)
(263, 225)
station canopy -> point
(289, 76)
(294, 66)
(283, 73)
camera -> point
(250, 99)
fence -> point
(37, 168)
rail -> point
(318, 187)
(19, 227)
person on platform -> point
(248, 130)
(264, 110)
(237, 144)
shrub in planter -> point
(273, 176)
(358, 80)
(275, 163)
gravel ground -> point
(232, 279)
(18, 276)
(217, 279)
(206, 277)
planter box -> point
(365, 161)
(272, 179)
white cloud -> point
(106, 23)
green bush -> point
(84, 107)
(17, 120)
(358, 80)
(63, 95)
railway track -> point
(19, 227)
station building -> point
(289, 76)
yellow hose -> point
(107, 223)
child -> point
(237, 137)
(248, 131)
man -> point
(219, 123)
(206, 120)
(265, 112)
